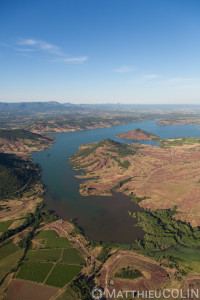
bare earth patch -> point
(153, 276)
(23, 290)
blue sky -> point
(100, 51)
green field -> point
(46, 234)
(44, 255)
(57, 242)
(8, 249)
(52, 239)
(34, 271)
(185, 254)
(9, 262)
(5, 225)
(72, 256)
(179, 141)
(62, 274)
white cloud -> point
(150, 76)
(25, 46)
(41, 45)
(146, 78)
(175, 80)
(123, 69)
(74, 60)
(24, 49)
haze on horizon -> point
(133, 51)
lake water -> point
(102, 218)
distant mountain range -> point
(53, 106)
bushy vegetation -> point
(62, 274)
(124, 164)
(121, 149)
(128, 273)
(14, 134)
(82, 286)
(16, 175)
(89, 164)
(121, 183)
(34, 271)
(105, 252)
(163, 231)
(136, 199)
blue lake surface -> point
(102, 218)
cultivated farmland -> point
(8, 249)
(57, 243)
(5, 225)
(72, 256)
(34, 271)
(44, 255)
(46, 234)
(62, 274)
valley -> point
(162, 228)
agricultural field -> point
(45, 234)
(5, 225)
(183, 256)
(8, 249)
(62, 274)
(34, 271)
(72, 256)
(55, 266)
(44, 255)
(9, 262)
(57, 242)
(180, 141)
(26, 290)
(52, 240)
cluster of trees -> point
(121, 183)
(16, 175)
(14, 134)
(128, 273)
(105, 252)
(163, 231)
(121, 149)
(83, 285)
(124, 164)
